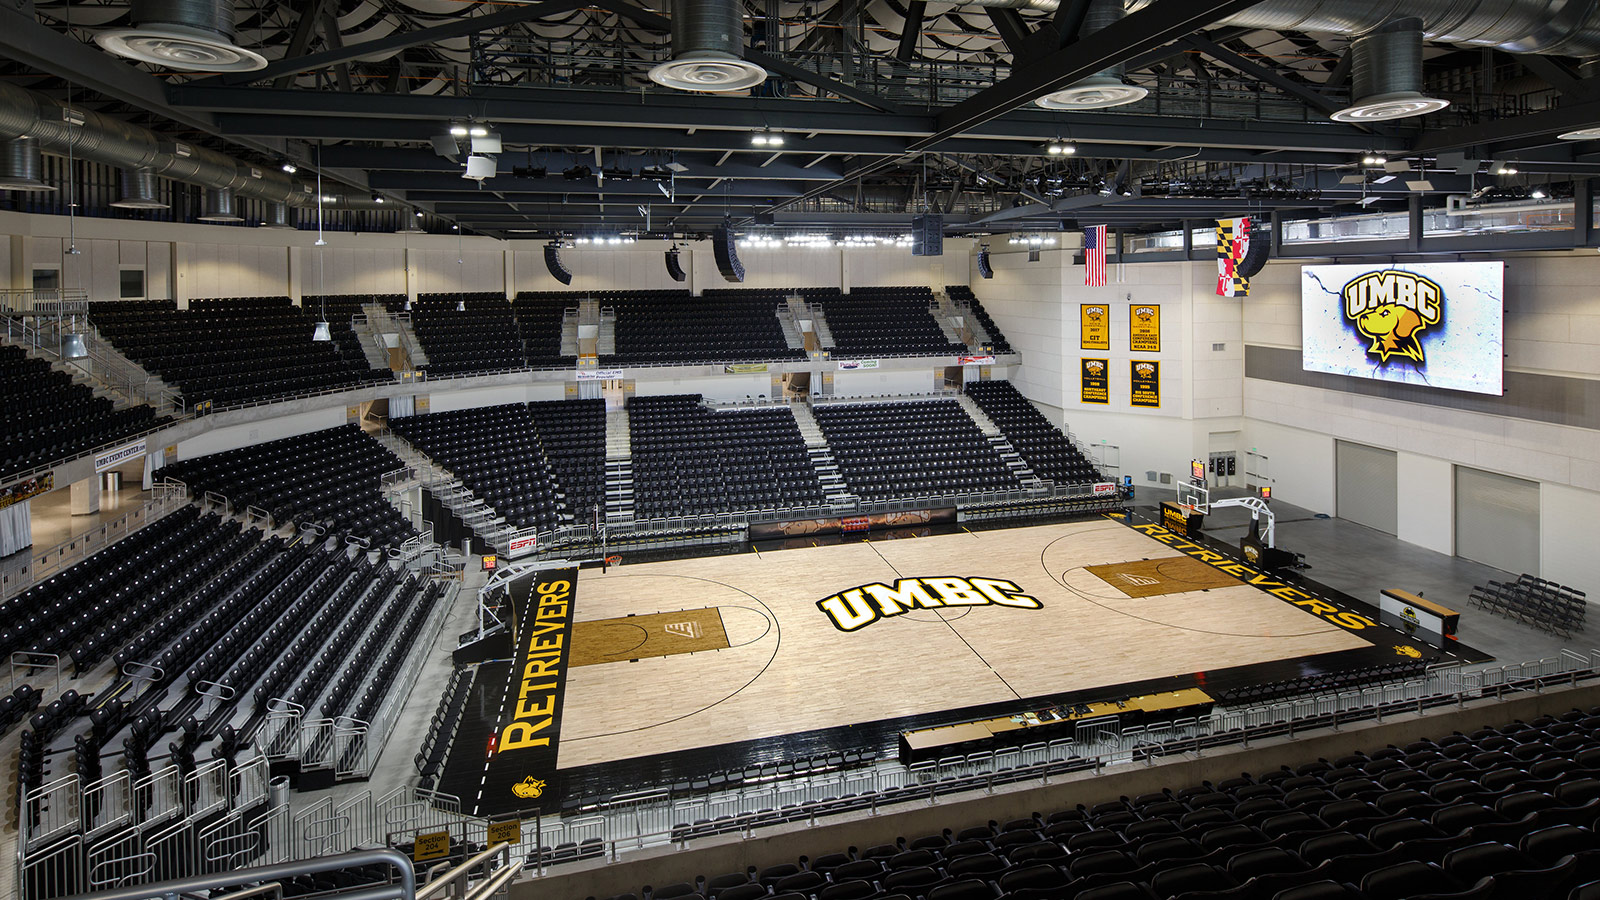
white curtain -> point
(16, 527)
(400, 407)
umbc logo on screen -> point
(1394, 309)
(861, 606)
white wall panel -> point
(885, 383)
(236, 436)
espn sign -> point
(522, 546)
(1104, 489)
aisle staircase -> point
(478, 515)
(619, 468)
(997, 440)
(834, 490)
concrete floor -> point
(1361, 561)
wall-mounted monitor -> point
(1435, 324)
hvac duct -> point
(219, 206)
(194, 35)
(278, 216)
(1386, 75)
(22, 166)
(708, 49)
(1516, 26)
(1104, 88)
(140, 190)
(103, 139)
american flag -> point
(1094, 256)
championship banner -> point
(1096, 381)
(1094, 326)
(520, 772)
(1144, 328)
(1145, 383)
(1233, 242)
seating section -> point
(1534, 601)
(232, 351)
(963, 294)
(1326, 682)
(880, 322)
(45, 417)
(540, 318)
(538, 465)
(1504, 812)
(446, 721)
(912, 449)
(655, 327)
(1047, 451)
(340, 310)
(329, 478)
(480, 337)
(690, 460)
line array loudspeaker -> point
(927, 235)
(984, 269)
(552, 261)
(674, 266)
(1255, 257)
(727, 254)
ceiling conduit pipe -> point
(102, 139)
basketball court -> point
(689, 658)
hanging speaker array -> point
(927, 235)
(552, 261)
(1255, 257)
(675, 265)
(727, 254)
(984, 269)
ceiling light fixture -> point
(479, 131)
(1374, 160)
(458, 130)
(1057, 148)
(766, 138)
(1505, 169)
(1538, 194)
(290, 167)
(1580, 134)
(377, 198)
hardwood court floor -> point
(786, 668)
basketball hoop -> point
(1194, 499)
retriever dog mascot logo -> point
(1393, 309)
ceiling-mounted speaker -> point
(727, 254)
(984, 269)
(480, 167)
(552, 261)
(675, 265)
(927, 235)
(1255, 257)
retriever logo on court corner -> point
(1394, 309)
(529, 788)
(1407, 650)
(859, 607)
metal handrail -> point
(449, 876)
(406, 889)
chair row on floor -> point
(1502, 812)
(1535, 601)
(1347, 679)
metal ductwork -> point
(1104, 88)
(708, 49)
(1386, 75)
(219, 206)
(22, 165)
(194, 35)
(278, 216)
(140, 189)
(1516, 26)
(103, 139)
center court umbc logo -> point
(1394, 309)
(859, 607)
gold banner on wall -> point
(1095, 326)
(1096, 381)
(1144, 383)
(1144, 328)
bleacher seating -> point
(1535, 601)
(483, 337)
(963, 294)
(880, 322)
(1047, 451)
(912, 449)
(446, 719)
(331, 478)
(656, 327)
(538, 465)
(231, 351)
(45, 417)
(689, 459)
(1505, 812)
(341, 310)
(1326, 682)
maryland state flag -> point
(1233, 242)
